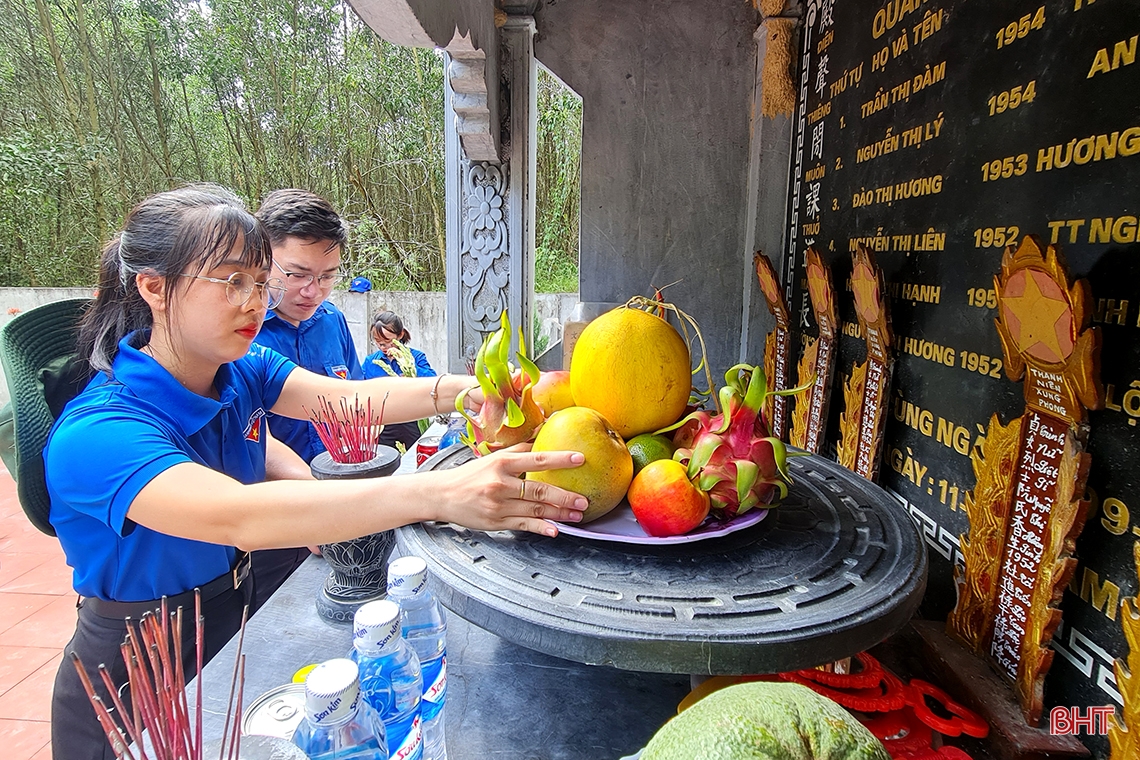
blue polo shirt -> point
(321, 344)
(374, 364)
(118, 434)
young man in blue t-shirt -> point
(307, 236)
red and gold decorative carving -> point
(1028, 505)
(866, 392)
(777, 347)
(1124, 731)
(809, 417)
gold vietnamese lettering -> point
(819, 112)
(1004, 168)
(1123, 54)
(850, 78)
(915, 292)
(891, 14)
(825, 41)
(982, 298)
(1019, 29)
(1111, 311)
(910, 137)
(996, 237)
(1011, 99)
(1104, 229)
(1079, 151)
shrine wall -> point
(936, 132)
(667, 151)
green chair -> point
(37, 351)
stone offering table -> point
(837, 568)
(834, 570)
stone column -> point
(490, 204)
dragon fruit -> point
(509, 413)
(730, 455)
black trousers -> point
(270, 568)
(406, 433)
(75, 731)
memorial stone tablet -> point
(936, 134)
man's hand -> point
(282, 463)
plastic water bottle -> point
(338, 723)
(425, 630)
(456, 427)
(390, 679)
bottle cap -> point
(376, 626)
(332, 692)
(407, 577)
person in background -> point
(156, 471)
(307, 237)
(395, 359)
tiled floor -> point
(37, 617)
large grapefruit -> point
(633, 368)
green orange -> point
(647, 447)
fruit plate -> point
(620, 526)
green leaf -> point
(746, 474)
(515, 416)
(757, 389)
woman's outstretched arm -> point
(408, 398)
(195, 502)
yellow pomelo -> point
(633, 367)
(605, 475)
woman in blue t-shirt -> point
(157, 470)
(395, 359)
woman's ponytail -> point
(118, 309)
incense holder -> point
(359, 568)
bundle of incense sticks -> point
(152, 651)
(350, 433)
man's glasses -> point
(240, 285)
(302, 279)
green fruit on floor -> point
(605, 475)
(646, 448)
(763, 721)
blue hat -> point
(360, 285)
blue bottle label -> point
(435, 686)
(405, 739)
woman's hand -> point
(490, 494)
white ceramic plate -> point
(620, 526)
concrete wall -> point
(424, 315)
(669, 144)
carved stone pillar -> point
(490, 205)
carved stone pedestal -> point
(969, 680)
(360, 566)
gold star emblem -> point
(866, 288)
(817, 287)
(1038, 316)
(768, 285)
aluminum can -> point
(425, 447)
(277, 712)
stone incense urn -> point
(360, 566)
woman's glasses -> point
(240, 285)
(303, 279)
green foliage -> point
(541, 340)
(557, 186)
(103, 102)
